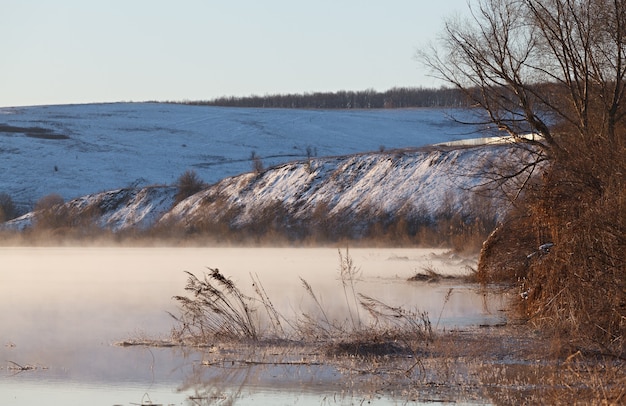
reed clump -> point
(216, 310)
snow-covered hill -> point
(426, 183)
(135, 152)
(356, 189)
(75, 150)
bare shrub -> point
(271, 219)
(576, 285)
(580, 286)
(49, 213)
(504, 254)
(8, 211)
(216, 214)
(49, 201)
(320, 222)
(257, 163)
(188, 184)
(464, 229)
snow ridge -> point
(105, 147)
(411, 183)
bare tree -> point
(555, 69)
(532, 64)
(583, 45)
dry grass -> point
(431, 275)
(514, 364)
(576, 290)
(393, 352)
(217, 310)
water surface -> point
(62, 309)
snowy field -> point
(74, 150)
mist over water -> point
(61, 309)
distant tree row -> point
(398, 97)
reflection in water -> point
(245, 383)
(61, 309)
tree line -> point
(397, 97)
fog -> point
(111, 292)
(62, 309)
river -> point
(62, 309)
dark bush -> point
(49, 201)
(49, 212)
(8, 211)
(188, 184)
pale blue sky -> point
(81, 51)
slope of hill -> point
(75, 150)
(359, 190)
(116, 163)
(347, 194)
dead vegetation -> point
(513, 364)
(385, 350)
(218, 310)
(554, 69)
(432, 275)
(563, 250)
(273, 225)
(215, 217)
(15, 368)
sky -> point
(77, 51)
